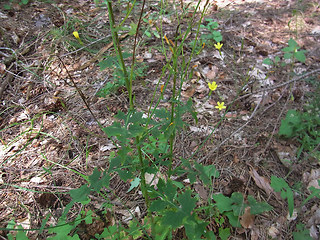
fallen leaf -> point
(188, 93)
(212, 73)
(247, 219)
(2, 68)
(201, 191)
(273, 232)
(255, 232)
(262, 182)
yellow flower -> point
(76, 35)
(212, 86)
(218, 45)
(220, 106)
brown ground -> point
(44, 120)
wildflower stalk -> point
(173, 103)
(129, 80)
(116, 44)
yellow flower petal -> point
(76, 35)
(218, 45)
(212, 86)
(220, 106)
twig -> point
(281, 84)
(80, 93)
(6, 81)
(100, 53)
(88, 45)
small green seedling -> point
(214, 34)
(291, 52)
(280, 185)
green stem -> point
(134, 56)
(173, 104)
(116, 44)
(144, 188)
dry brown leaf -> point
(188, 93)
(261, 182)
(273, 232)
(247, 219)
(255, 232)
(201, 191)
(212, 73)
(2, 68)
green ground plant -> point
(145, 147)
(291, 52)
(213, 34)
(8, 5)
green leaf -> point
(121, 116)
(158, 205)
(124, 174)
(233, 220)
(7, 6)
(135, 117)
(292, 43)
(148, 34)
(217, 36)
(315, 192)
(135, 230)
(195, 228)
(62, 230)
(290, 124)
(211, 171)
(167, 188)
(187, 202)
(108, 232)
(173, 218)
(192, 177)
(136, 130)
(258, 207)
(224, 233)
(302, 234)
(133, 29)
(278, 184)
(114, 130)
(25, 2)
(135, 183)
(20, 234)
(238, 203)
(96, 183)
(80, 194)
(126, 55)
(107, 63)
(267, 61)
(155, 33)
(178, 184)
(287, 55)
(224, 204)
(299, 55)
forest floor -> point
(47, 130)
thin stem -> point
(117, 47)
(134, 56)
(173, 103)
